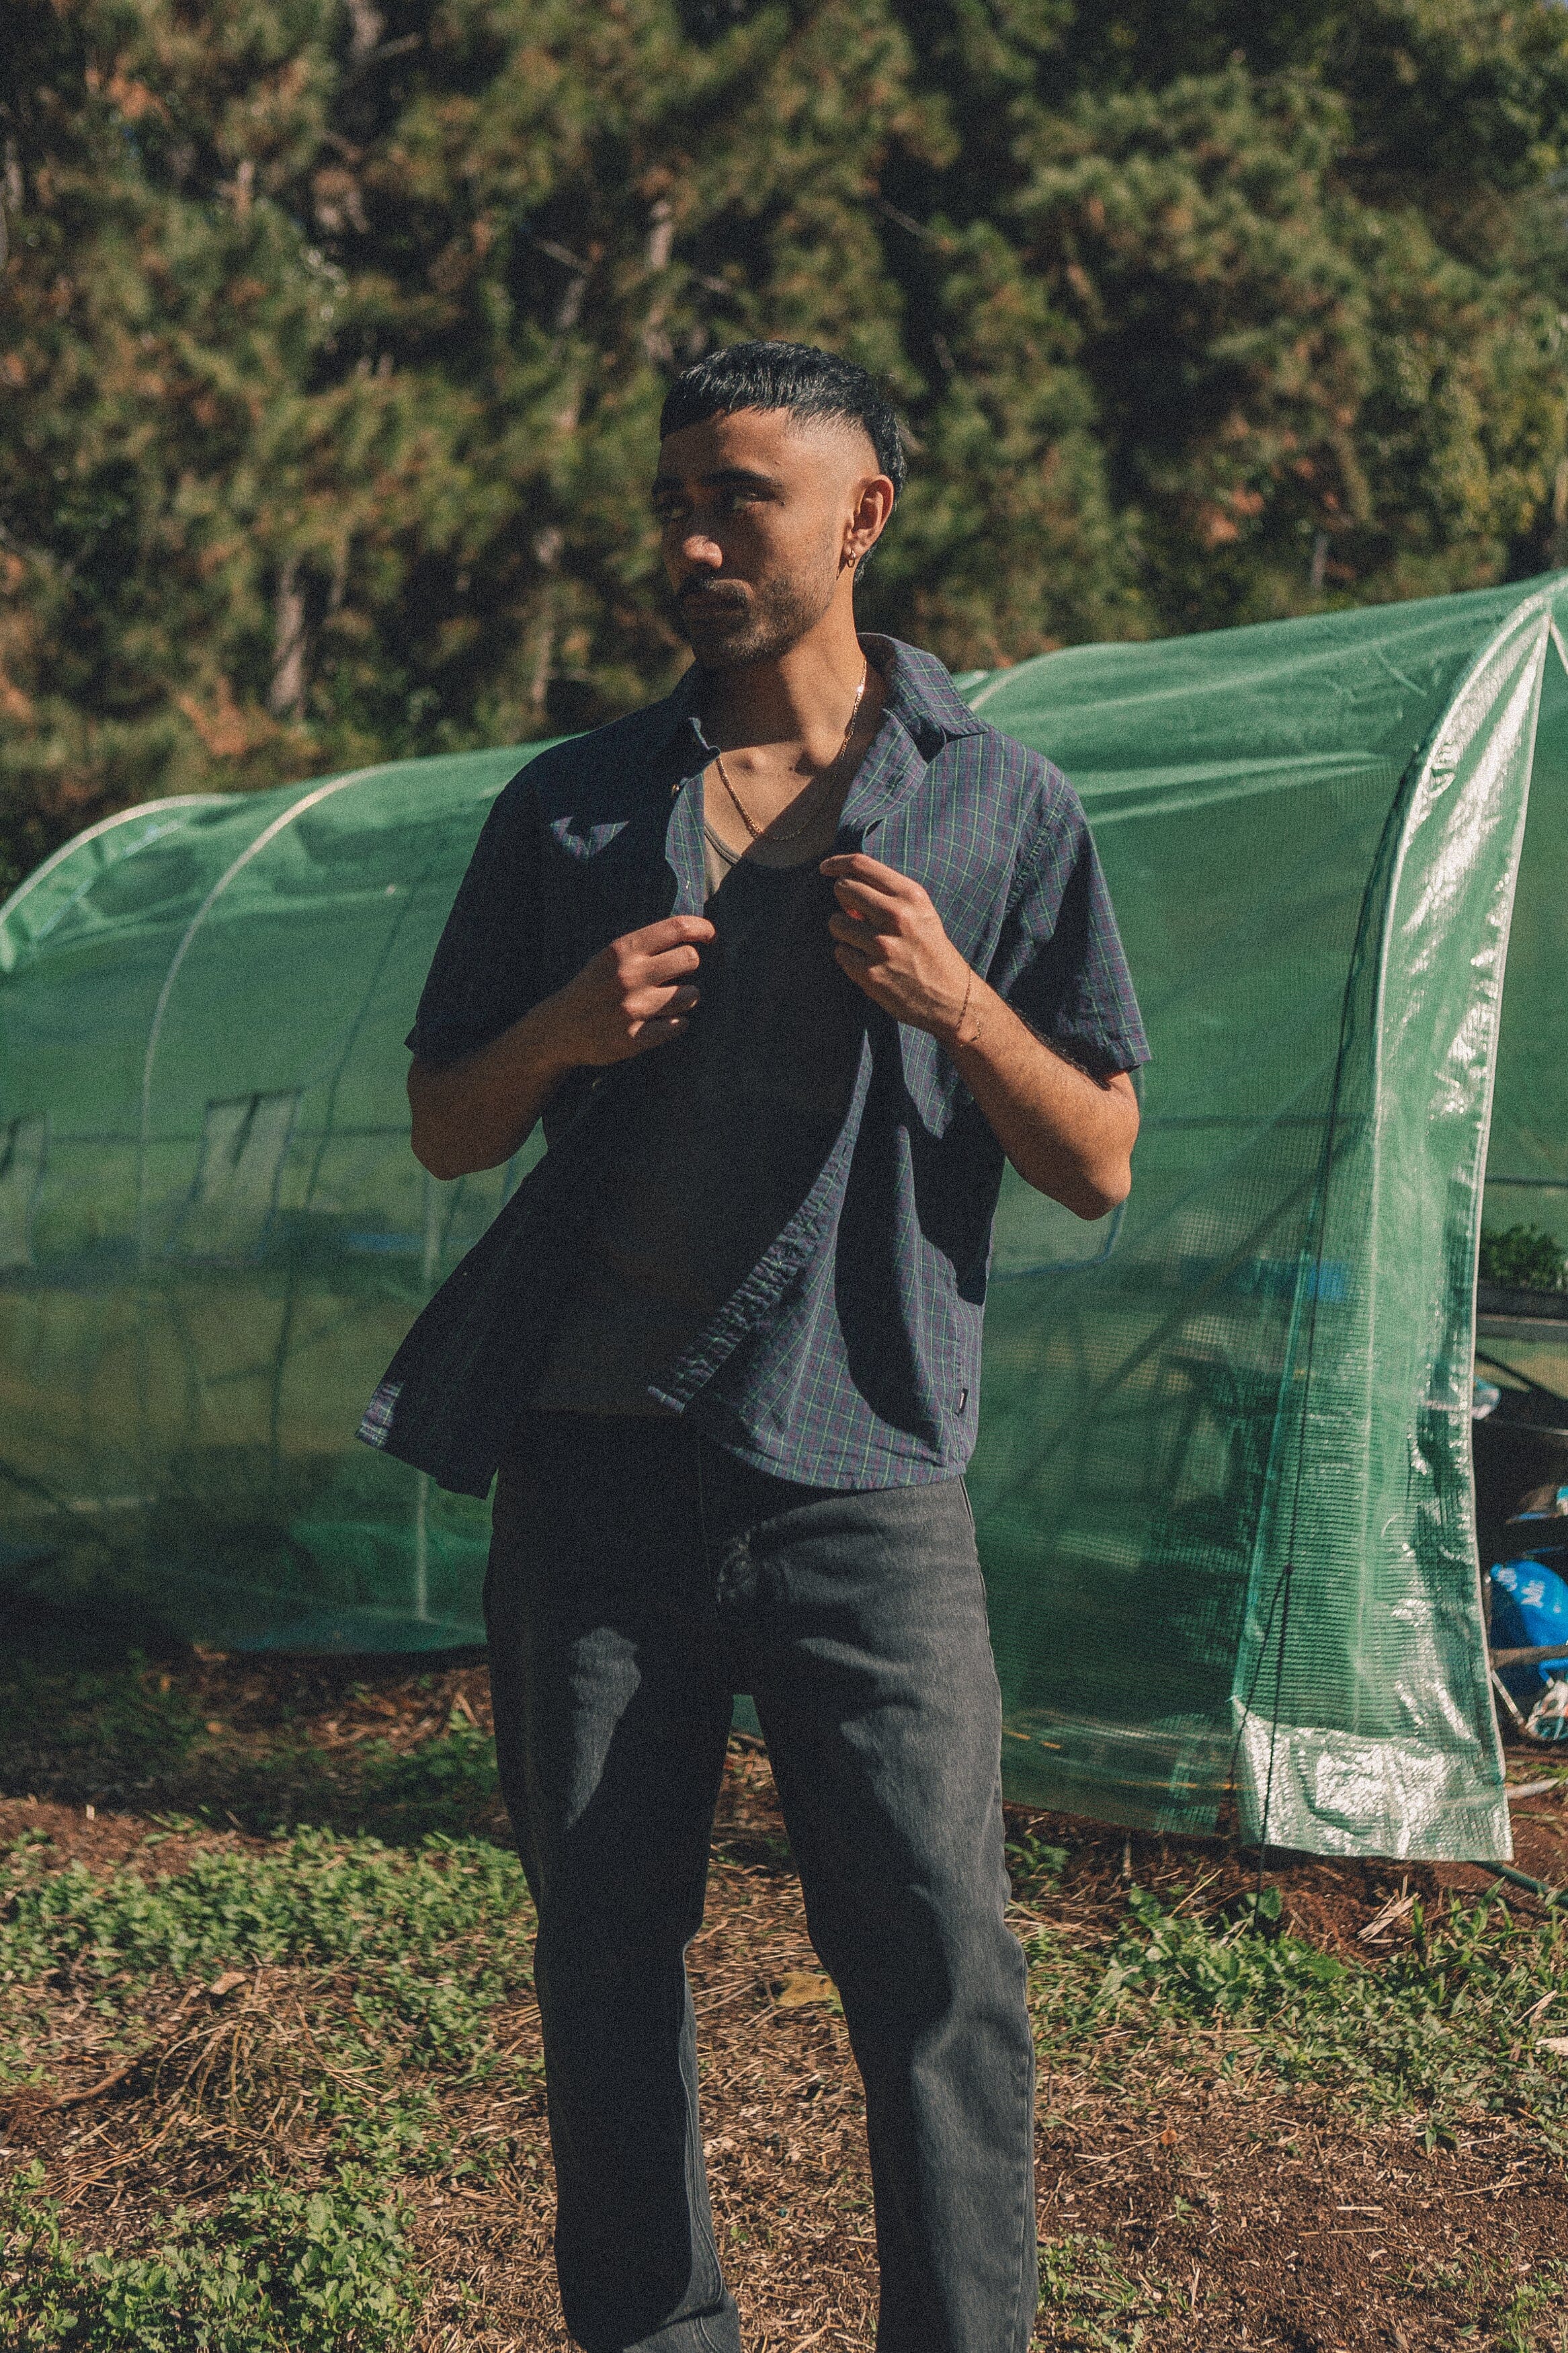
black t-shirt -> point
(736, 1117)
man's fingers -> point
(665, 968)
(854, 866)
(859, 967)
(878, 909)
(671, 932)
(654, 1004)
(861, 939)
(656, 1033)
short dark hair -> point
(796, 376)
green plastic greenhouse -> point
(1224, 1483)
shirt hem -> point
(897, 1470)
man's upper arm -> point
(1065, 971)
(490, 966)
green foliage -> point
(382, 1983)
(1522, 1258)
(375, 1978)
(130, 1718)
(1437, 2032)
(316, 1900)
(1530, 2318)
(1033, 1864)
(118, 1726)
(1514, 2315)
(1087, 2298)
(337, 334)
(275, 2270)
(444, 1780)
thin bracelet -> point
(958, 1036)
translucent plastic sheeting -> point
(1223, 1485)
(224, 1234)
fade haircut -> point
(798, 376)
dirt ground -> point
(1238, 2217)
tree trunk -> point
(286, 695)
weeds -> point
(1532, 2320)
(129, 1723)
(1033, 1864)
(1516, 2316)
(318, 1898)
(1439, 2032)
(309, 1996)
(127, 1730)
(1087, 2299)
(445, 1782)
(274, 2269)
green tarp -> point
(1223, 1484)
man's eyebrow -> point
(728, 477)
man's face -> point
(756, 510)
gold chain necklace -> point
(794, 831)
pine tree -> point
(335, 333)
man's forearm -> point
(1066, 1133)
(636, 993)
(475, 1114)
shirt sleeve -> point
(487, 969)
(1063, 969)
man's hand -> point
(1067, 1134)
(633, 995)
(889, 940)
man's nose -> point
(700, 552)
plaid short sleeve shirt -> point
(850, 1356)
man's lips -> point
(718, 596)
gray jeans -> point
(639, 1576)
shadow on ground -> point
(116, 1714)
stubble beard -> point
(750, 623)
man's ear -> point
(861, 536)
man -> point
(787, 963)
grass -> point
(130, 1722)
(1437, 2036)
(286, 2014)
(1087, 2299)
(273, 2270)
(308, 1994)
(1527, 2318)
(301, 2000)
(394, 1916)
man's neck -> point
(795, 706)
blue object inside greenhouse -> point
(1530, 1607)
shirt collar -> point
(919, 695)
